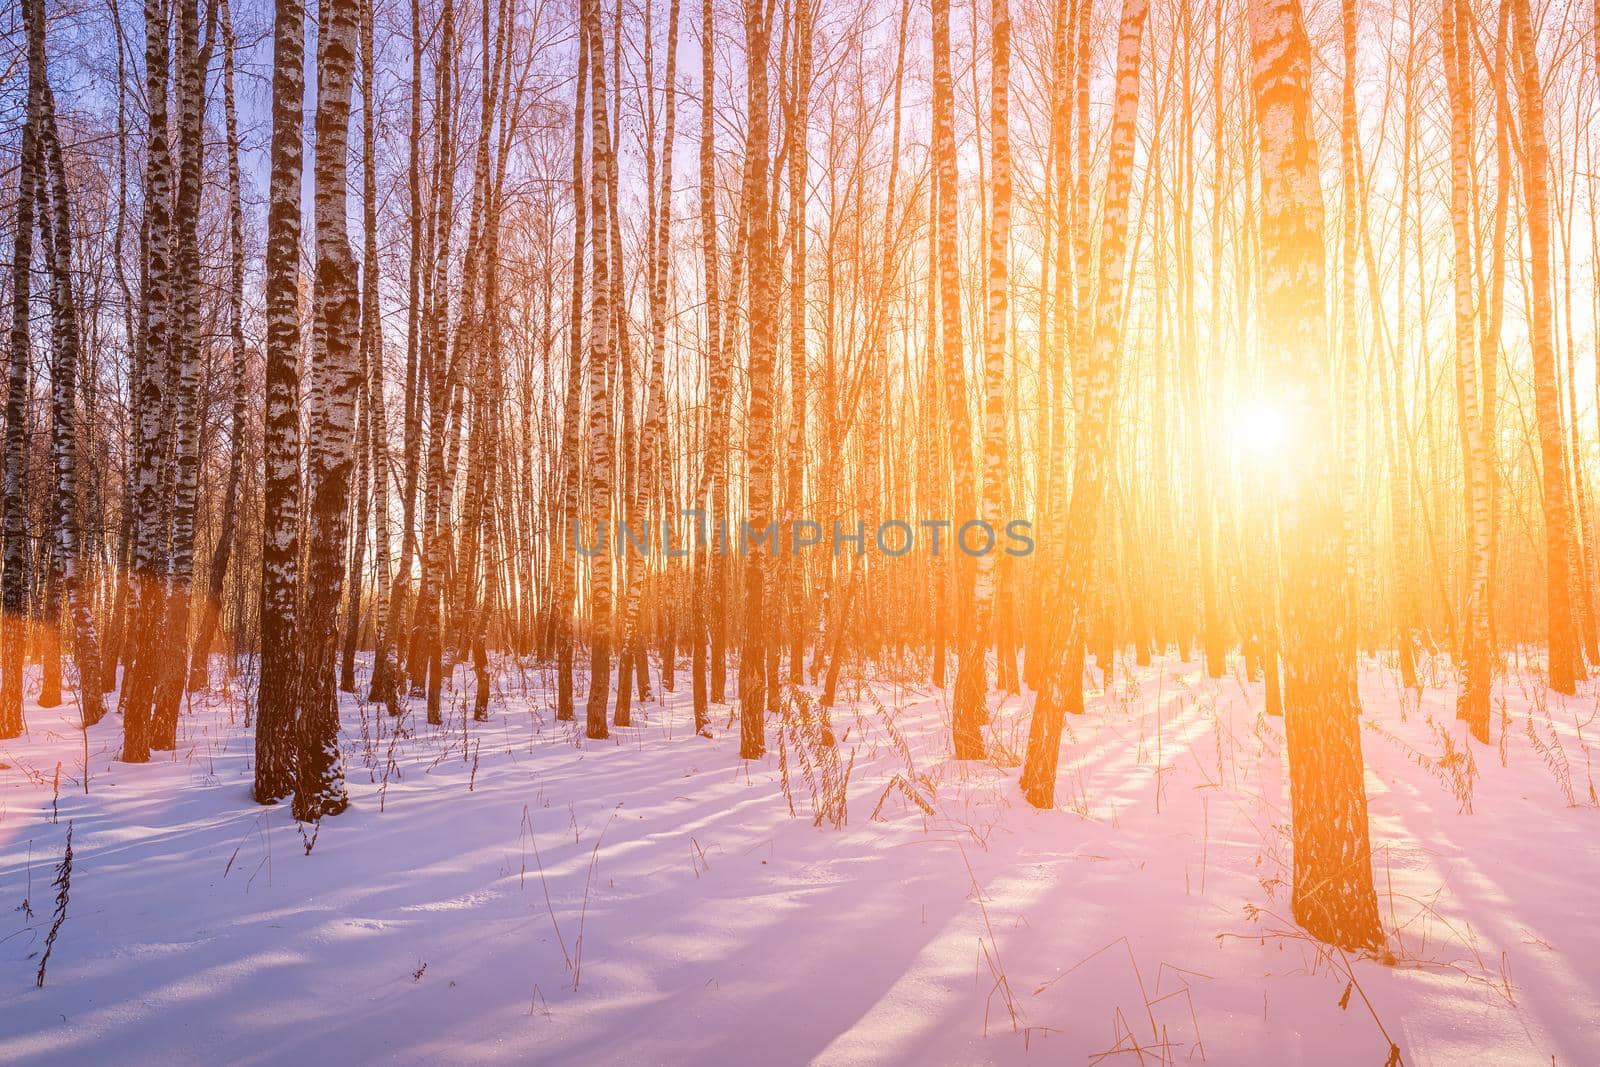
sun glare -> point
(1261, 430)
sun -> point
(1261, 430)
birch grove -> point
(795, 347)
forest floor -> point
(509, 892)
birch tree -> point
(335, 385)
(599, 371)
(706, 681)
(970, 672)
(1473, 704)
(1566, 667)
(1097, 374)
(15, 578)
(280, 529)
(382, 688)
(167, 658)
(64, 336)
(997, 284)
(150, 397)
(222, 551)
(1333, 893)
(763, 346)
(571, 466)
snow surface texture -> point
(508, 892)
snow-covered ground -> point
(510, 892)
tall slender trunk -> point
(599, 416)
(1349, 361)
(1566, 665)
(972, 675)
(149, 552)
(763, 344)
(1212, 639)
(795, 610)
(1473, 702)
(117, 629)
(64, 335)
(169, 645)
(478, 573)
(652, 442)
(280, 529)
(1408, 608)
(1053, 446)
(360, 498)
(416, 380)
(14, 578)
(1494, 299)
(1096, 373)
(566, 580)
(149, 548)
(708, 569)
(624, 456)
(382, 688)
(222, 553)
(335, 384)
(426, 663)
(931, 473)
(1333, 893)
(967, 725)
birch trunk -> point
(1566, 667)
(972, 675)
(572, 469)
(169, 645)
(706, 568)
(794, 488)
(199, 674)
(970, 682)
(426, 660)
(1473, 702)
(335, 384)
(1096, 373)
(382, 687)
(14, 579)
(654, 431)
(763, 345)
(64, 335)
(149, 563)
(280, 532)
(599, 415)
(1333, 892)
(387, 687)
